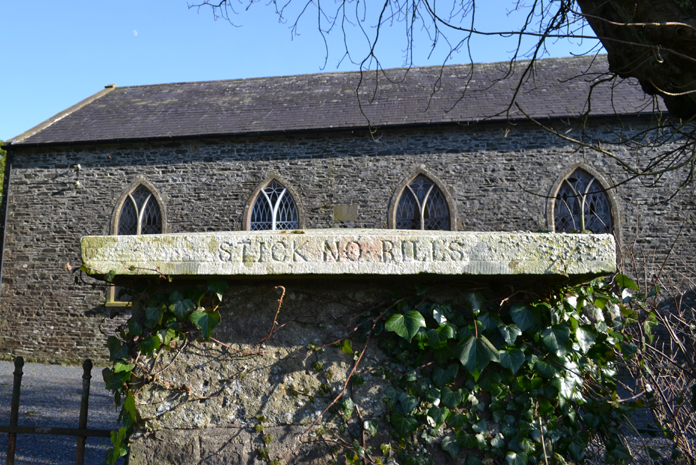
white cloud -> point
(135, 33)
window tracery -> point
(582, 205)
(140, 214)
(274, 209)
(422, 206)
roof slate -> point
(558, 88)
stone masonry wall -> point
(498, 177)
(234, 386)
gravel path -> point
(50, 396)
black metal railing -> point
(82, 432)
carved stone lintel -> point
(350, 252)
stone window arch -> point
(139, 210)
(140, 213)
(273, 207)
(423, 203)
(581, 202)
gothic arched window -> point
(274, 208)
(582, 205)
(422, 206)
(140, 214)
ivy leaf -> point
(206, 321)
(347, 408)
(370, 427)
(442, 377)
(510, 333)
(476, 354)
(119, 450)
(514, 458)
(556, 339)
(109, 277)
(447, 331)
(153, 315)
(134, 328)
(175, 295)
(450, 444)
(474, 302)
(586, 336)
(480, 427)
(545, 369)
(218, 286)
(347, 347)
(129, 405)
(433, 337)
(437, 416)
(523, 318)
(512, 359)
(624, 281)
(577, 449)
(114, 381)
(120, 366)
(408, 403)
(451, 398)
(498, 441)
(150, 344)
(181, 308)
(406, 325)
(166, 335)
(442, 355)
(629, 350)
(458, 421)
(116, 349)
(439, 316)
(403, 424)
(545, 408)
(489, 321)
(649, 323)
(432, 395)
(490, 383)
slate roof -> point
(558, 89)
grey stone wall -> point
(234, 385)
(498, 177)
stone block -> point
(345, 213)
(172, 448)
(362, 252)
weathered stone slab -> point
(351, 252)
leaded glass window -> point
(422, 206)
(274, 209)
(140, 214)
(582, 205)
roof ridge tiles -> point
(516, 64)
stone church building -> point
(435, 148)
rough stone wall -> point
(214, 402)
(498, 177)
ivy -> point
(159, 321)
(525, 382)
(520, 384)
(406, 325)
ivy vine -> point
(524, 383)
(485, 381)
(159, 321)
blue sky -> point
(55, 54)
